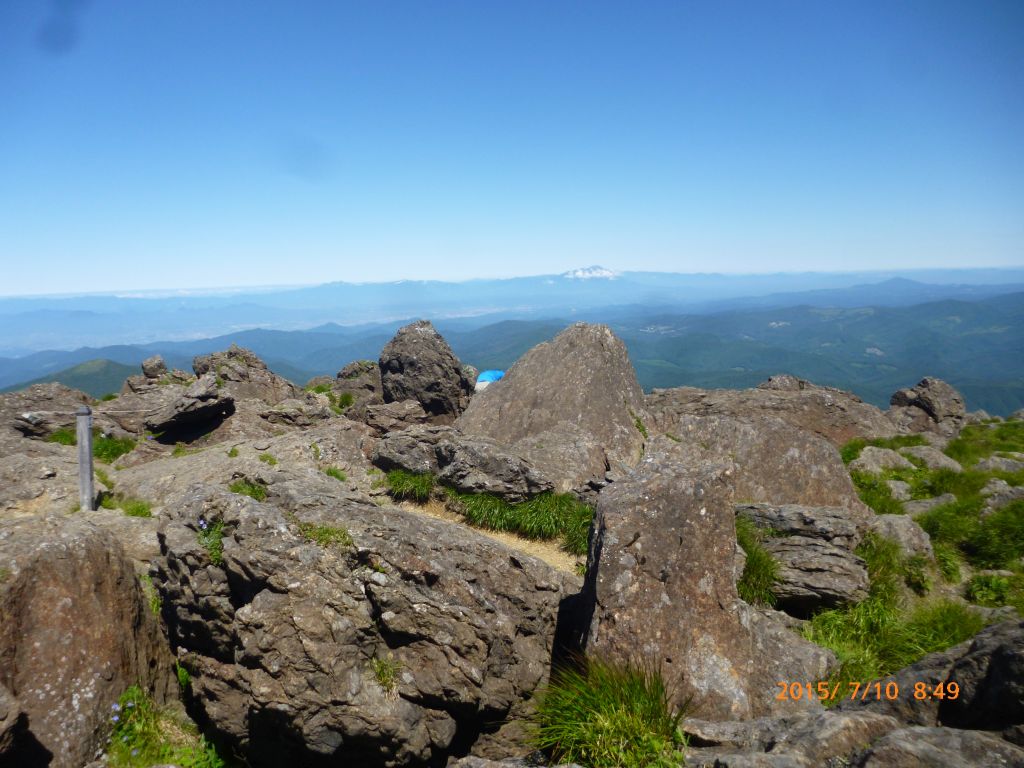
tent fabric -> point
(489, 376)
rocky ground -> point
(255, 568)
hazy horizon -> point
(186, 145)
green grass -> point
(268, 458)
(761, 571)
(152, 596)
(143, 736)
(852, 449)
(996, 541)
(874, 492)
(876, 636)
(315, 448)
(64, 436)
(604, 715)
(336, 473)
(109, 449)
(947, 557)
(211, 538)
(326, 535)
(410, 485)
(546, 517)
(104, 478)
(130, 506)
(978, 441)
(385, 672)
(248, 488)
(320, 389)
(337, 402)
(180, 449)
(233, 453)
(638, 423)
(184, 678)
(346, 400)
(5, 574)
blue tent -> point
(489, 376)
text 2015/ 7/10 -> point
(829, 691)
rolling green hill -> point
(94, 377)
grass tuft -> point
(605, 715)
(874, 492)
(410, 485)
(978, 441)
(152, 596)
(248, 488)
(336, 473)
(385, 671)
(233, 453)
(268, 458)
(143, 736)
(761, 571)
(109, 449)
(130, 506)
(63, 436)
(326, 535)
(211, 538)
(851, 450)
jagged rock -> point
(660, 589)
(242, 374)
(468, 464)
(876, 460)
(904, 531)
(940, 748)
(154, 367)
(417, 364)
(836, 525)
(979, 417)
(931, 405)
(932, 457)
(815, 574)
(202, 402)
(1000, 464)
(775, 461)
(923, 505)
(361, 379)
(281, 639)
(571, 406)
(75, 632)
(991, 678)
(833, 414)
(388, 417)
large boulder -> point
(75, 632)
(417, 364)
(775, 462)
(360, 379)
(931, 405)
(940, 748)
(876, 460)
(571, 406)
(814, 574)
(415, 639)
(833, 414)
(661, 590)
(201, 402)
(242, 374)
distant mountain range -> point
(868, 339)
(29, 325)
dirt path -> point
(548, 551)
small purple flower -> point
(202, 523)
(135, 752)
(129, 705)
(115, 718)
(115, 707)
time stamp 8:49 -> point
(830, 691)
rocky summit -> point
(384, 568)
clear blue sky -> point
(187, 143)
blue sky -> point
(181, 144)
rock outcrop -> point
(417, 364)
(75, 632)
(833, 414)
(241, 374)
(571, 406)
(660, 588)
(931, 405)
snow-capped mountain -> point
(590, 273)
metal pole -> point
(86, 495)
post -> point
(86, 494)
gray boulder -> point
(903, 530)
(932, 457)
(571, 406)
(360, 379)
(940, 748)
(814, 574)
(1000, 464)
(154, 367)
(876, 460)
(417, 364)
(919, 506)
(836, 525)
(388, 417)
(899, 490)
(39, 411)
(660, 589)
(998, 493)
